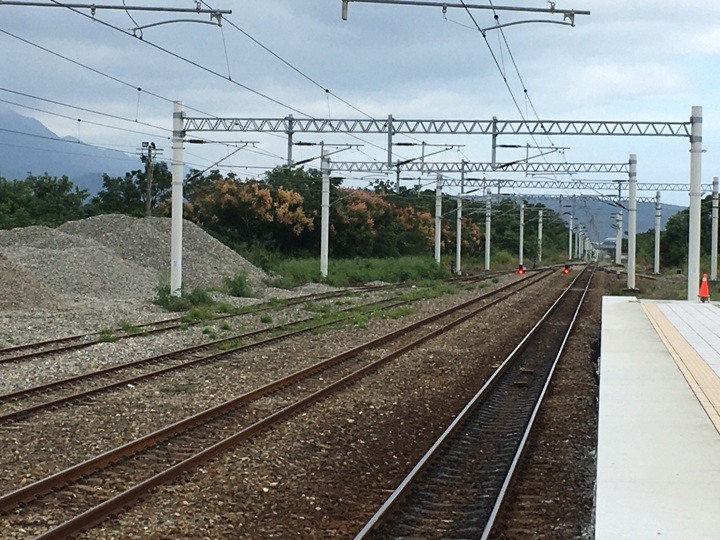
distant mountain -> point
(596, 216)
(28, 147)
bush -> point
(238, 285)
(195, 298)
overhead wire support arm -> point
(94, 7)
(567, 13)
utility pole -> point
(149, 147)
(325, 213)
(177, 199)
(458, 223)
(521, 247)
(540, 236)
(632, 222)
(438, 216)
(658, 225)
(714, 231)
(488, 218)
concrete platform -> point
(659, 427)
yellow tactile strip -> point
(701, 377)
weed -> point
(238, 285)
(495, 280)
(184, 302)
(129, 328)
(180, 388)
(210, 332)
(360, 320)
(266, 319)
(225, 326)
(396, 313)
(107, 335)
(231, 344)
(315, 307)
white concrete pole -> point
(438, 216)
(325, 214)
(570, 239)
(577, 235)
(540, 234)
(488, 220)
(291, 122)
(390, 140)
(714, 241)
(618, 237)
(658, 226)
(521, 248)
(695, 206)
(632, 221)
(458, 222)
(176, 211)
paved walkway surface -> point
(659, 427)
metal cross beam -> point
(440, 127)
(469, 166)
(567, 185)
(594, 197)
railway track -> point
(49, 347)
(84, 495)
(457, 489)
(21, 404)
(28, 351)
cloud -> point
(607, 82)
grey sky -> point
(649, 60)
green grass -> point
(266, 319)
(348, 272)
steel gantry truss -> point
(448, 167)
(390, 126)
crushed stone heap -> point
(119, 257)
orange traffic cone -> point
(704, 293)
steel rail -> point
(176, 322)
(122, 500)
(531, 424)
(401, 491)
(56, 403)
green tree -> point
(40, 200)
(120, 195)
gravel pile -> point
(20, 290)
(110, 257)
(146, 242)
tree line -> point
(281, 213)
